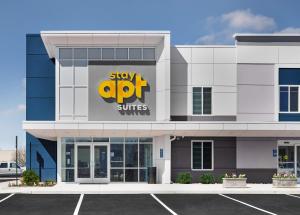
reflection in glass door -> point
(100, 161)
(83, 162)
(92, 163)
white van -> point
(8, 168)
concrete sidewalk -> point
(134, 188)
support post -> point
(17, 160)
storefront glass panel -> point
(129, 158)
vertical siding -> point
(224, 156)
(40, 105)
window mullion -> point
(289, 91)
(202, 101)
(201, 155)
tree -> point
(21, 156)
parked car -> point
(8, 169)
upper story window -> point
(202, 99)
(107, 53)
(202, 155)
(289, 99)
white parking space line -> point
(163, 204)
(6, 197)
(293, 196)
(78, 204)
(244, 203)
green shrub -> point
(219, 179)
(49, 182)
(184, 178)
(30, 178)
(207, 179)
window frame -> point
(289, 101)
(4, 167)
(212, 155)
(202, 100)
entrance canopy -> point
(54, 129)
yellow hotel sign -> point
(122, 85)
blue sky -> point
(190, 22)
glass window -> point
(94, 53)
(65, 53)
(67, 140)
(202, 100)
(286, 158)
(117, 175)
(135, 53)
(131, 155)
(83, 139)
(284, 98)
(3, 165)
(108, 53)
(122, 53)
(145, 155)
(206, 100)
(12, 165)
(131, 175)
(101, 139)
(143, 175)
(116, 140)
(197, 155)
(67, 159)
(116, 155)
(148, 53)
(131, 140)
(294, 99)
(289, 98)
(146, 140)
(202, 155)
(207, 155)
(80, 53)
(68, 175)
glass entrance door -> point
(100, 170)
(298, 162)
(92, 163)
(83, 163)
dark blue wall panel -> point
(40, 87)
(289, 117)
(39, 66)
(41, 156)
(34, 44)
(40, 106)
(289, 76)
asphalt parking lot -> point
(146, 204)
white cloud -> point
(238, 21)
(20, 108)
(289, 30)
(246, 20)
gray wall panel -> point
(256, 96)
(224, 156)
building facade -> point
(103, 106)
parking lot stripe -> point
(244, 203)
(293, 196)
(6, 197)
(78, 204)
(163, 204)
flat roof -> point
(276, 37)
(54, 39)
(106, 32)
